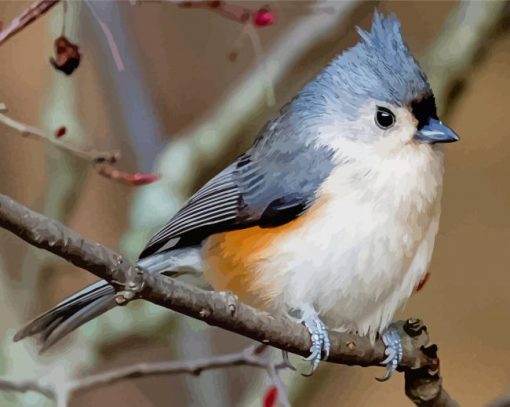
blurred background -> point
(194, 90)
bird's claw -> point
(286, 361)
(320, 342)
(394, 352)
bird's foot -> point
(394, 351)
(320, 341)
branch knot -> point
(132, 286)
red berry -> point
(263, 17)
(270, 397)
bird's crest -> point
(380, 67)
(391, 72)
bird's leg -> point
(394, 352)
(318, 335)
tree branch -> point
(251, 356)
(420, 362)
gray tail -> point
(73, 312)
(99, 297)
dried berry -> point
(61, 131)
(67, 56)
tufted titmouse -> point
(330, 216)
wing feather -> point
(215, 205)
(269, 185)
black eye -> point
(384, 118)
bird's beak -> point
(436, 132)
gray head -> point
(374, 90)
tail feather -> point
(70, 314)
(99, 297)
(85, 314)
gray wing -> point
(271, 184)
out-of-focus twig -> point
(101, 160)
(28, 16)
(464, 35)
(261, 17)
(92, 156)
(58, 390)
(110, 40)
(420, 362)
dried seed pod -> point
(67, 56)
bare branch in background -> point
(114, 49)
(28, 16)
(92, 156)
(102, 161)
(420, 362)
(251, 356)
(261, 17)
(464, 35)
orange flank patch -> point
(234, 261)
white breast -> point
(369, 245)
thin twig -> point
(28, 16)
(247, 357)
(273, 373)
(419, 362)
(39, 8)
(92, 156)
(102, 161)
(61, 392)
(110, 40)
(234, 12)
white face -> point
(392, 127)
(381, 128)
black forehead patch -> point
(424, 109)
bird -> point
(329, 218)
